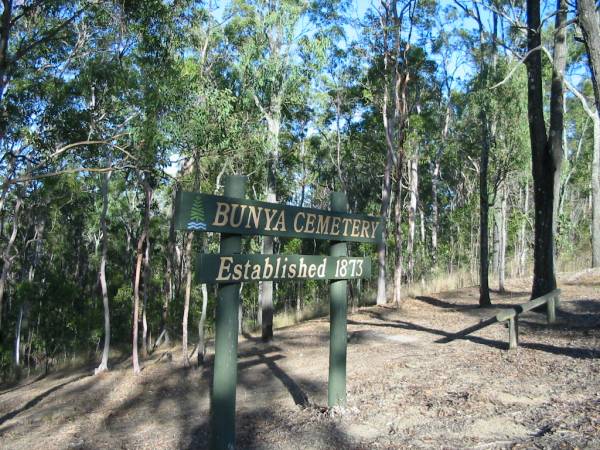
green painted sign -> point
(212, 268)
(204, 212)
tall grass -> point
(439, 282)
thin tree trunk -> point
(6, 255)
(17, 355)
(138, 269)
(484, 288)
(412, 214)
(102, 274)
(23, 318)
(201, 326)
(386, 192)
(524, 244)
(188, 293)
(146, 264)
(502, 240)
(435, 179)
(265, 288)
(398, 233)
(169, 281)
(136, 301)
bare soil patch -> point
(405, 390)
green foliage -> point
(178, 95)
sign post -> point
(233, 216)
(226, 340)
(338, 305)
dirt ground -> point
(405, 390)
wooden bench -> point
(511, 316)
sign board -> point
(242, 268)
(204, 212)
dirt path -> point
(405, 390)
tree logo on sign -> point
(197, 219)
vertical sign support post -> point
(338, 305)
(226, 340)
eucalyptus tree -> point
(393, 36)
(545, 149)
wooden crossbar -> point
(511, 316)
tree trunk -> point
(502, 240)
(265, 291)
(138, 269)
(413, 181)
(201, 325)
(435, 179)
(542, 156)
(484, 207)
(386, 193)
(102, 275)
(169, 281)
(23, 319)
(188, 293)
(524, 244)
(6, 255)
(186, 260)
(17, 355)
(136, 301)
(146, 265)
(596, 194)
(398, 233)
(590, 26)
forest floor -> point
(405, 390)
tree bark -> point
(138, 269)
(169, 281)
(589, 22)
(146, 265)
(265, 291)
(201, 325)
(102, 275)
(524, 244)
(412, 214)
(188, 294)
(596, 194)
(6, 255)
(502, 236)
(386, 193)
(398, 233)
(590, 26)
(541, 153)
(484, 207)
(136, 301)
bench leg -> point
(513, 333)
(551, 305)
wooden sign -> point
(212, 268)
(204, 212)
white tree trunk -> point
(104, 288)
(6, 255)
(413, 179)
